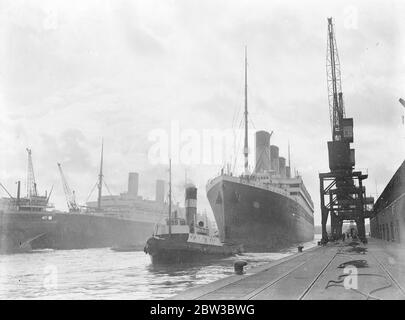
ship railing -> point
(258, 184)
(266, 186)
(164, 229)
(176, 221)
(201, 230)
(252, 182)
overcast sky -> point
(72, 72)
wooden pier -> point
(343, 270)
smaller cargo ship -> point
(188, 239)
(124, 221)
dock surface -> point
(345, 270)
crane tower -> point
(70, 195)
(31, 184)
(343, 195)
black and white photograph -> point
(221, 150)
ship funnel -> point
(288, 172)
(191, 205)
(133, 180)
(160, 191)
(282, 167)
(262, 151)
(274, 159)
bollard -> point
(300, 248)
(238, 265)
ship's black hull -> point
(177, 250)
(19, 231)
(260, 219)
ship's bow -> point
(215, 195)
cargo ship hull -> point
(18, 230)
(39, 230)
(259, 219)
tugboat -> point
(188, 239)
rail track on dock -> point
(288, 273)
(388, 273)
(336, 271)
(307, 258)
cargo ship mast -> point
(100, 178)
(170, 197)
(246, 147)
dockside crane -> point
(31, 184)
(402, 101)
(342, 192)
(70, 195)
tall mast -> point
(100, 177)
(289, 156)
(170, 197)
(18, 193)
(246, 148)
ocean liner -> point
(266, 209)
(31, 222)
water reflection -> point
(106, 274)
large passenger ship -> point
(265, 209)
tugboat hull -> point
(177, 250)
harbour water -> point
(106, 274)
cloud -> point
(73, 72)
